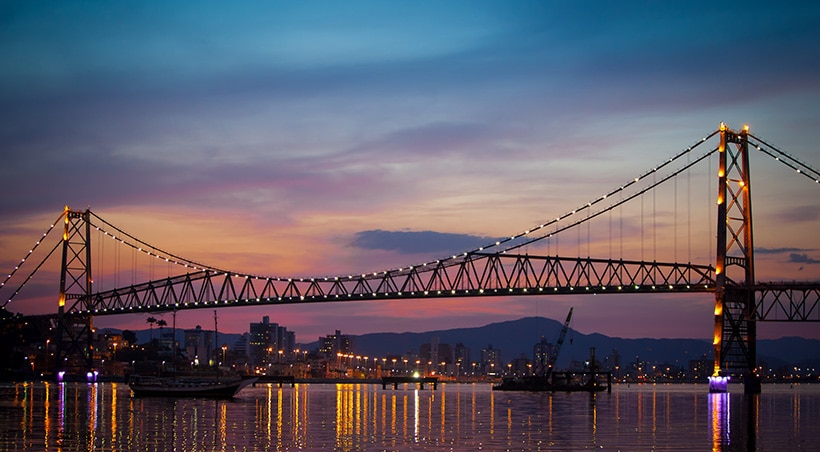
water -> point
(104, 416)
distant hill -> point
(517, 337)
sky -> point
(320, 138)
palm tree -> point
(151, 321)
(161, 323)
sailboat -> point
(150, 386)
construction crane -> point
(561, 336)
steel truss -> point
(787, 302)
(479, 274)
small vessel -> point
(150, 386)
(171, 387)
(560, 382)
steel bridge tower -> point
(75, 349)
(735, 332)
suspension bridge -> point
(504, 267)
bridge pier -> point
(735, 332)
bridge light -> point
(745, 127)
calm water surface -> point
(105, 417)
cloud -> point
(412, 242)
(802, 259)
(763, 250)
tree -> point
(161, 323)
(151, 321)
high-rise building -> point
(436, 353)
(334, 344)
(462, 358)
(542, 353)
(199, 345)
(491, 360)
(269, 343)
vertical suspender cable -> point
(621, 223)
(654, 220)
(588, 236)
(675, 222)
(709, 213)
(688, 210)
(642, 227)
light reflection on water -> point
(104, 416)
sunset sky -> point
(326, 138)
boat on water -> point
(563, 382)
(546, 380)
(172, 387)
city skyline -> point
(312, 140)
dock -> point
(279, 379)
(395, 381)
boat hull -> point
(207, 389)
(540, 384)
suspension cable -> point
(623, 201)
(789, 161)
(30, 251)
(28, 278)
(173, 258)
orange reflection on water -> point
(113, 417)
(92, 416)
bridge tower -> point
(735, 332)
(75, 350)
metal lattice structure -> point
(74, 328)
(471, 276)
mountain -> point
(516, 337)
